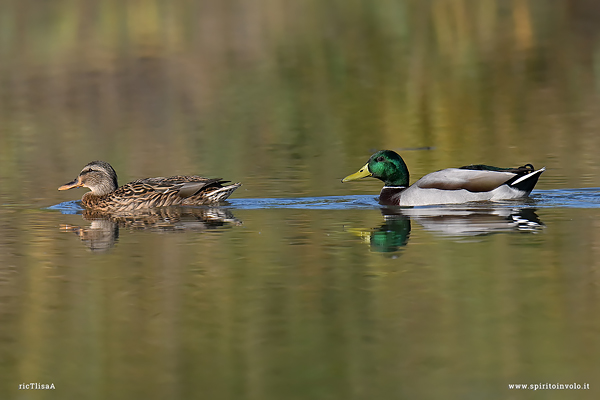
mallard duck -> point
(447, 186)
(107, 196)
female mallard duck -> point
(107, 196)
(447, 186)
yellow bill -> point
(362, 173)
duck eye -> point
(379, 159)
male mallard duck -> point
(107, 196)
(447, 186)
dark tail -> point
(527, 182)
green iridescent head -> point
(385, 165)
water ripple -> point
(567, 198)
(555, 198)
(68, 207)
(310, 203)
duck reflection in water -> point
(389, 237)
(394, 233)
(103, 232)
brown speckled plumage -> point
(106, 196)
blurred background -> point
(288, 97)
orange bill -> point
(74, 184)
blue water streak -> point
(555, 198)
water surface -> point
(300, 287)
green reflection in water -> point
(293, 304)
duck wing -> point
(473, 180)
(181, 186)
